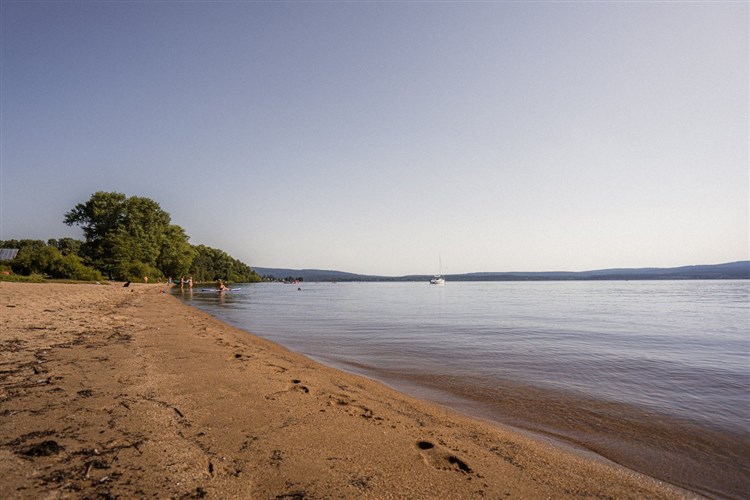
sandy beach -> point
(111, 392)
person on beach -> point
(190, 282)
(182, 282)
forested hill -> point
(731, 270)
(315, 275)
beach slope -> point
(111, 391)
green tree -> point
(211, 264)
(21, 244)
(66, 245)
(131, 235)
(35, 259)
(100, 217)
(48, 261)
(71, 266)
(176, 253)
(145, 223)
(128, 238)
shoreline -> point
(699, 447)
(699, 458)
(129, 392)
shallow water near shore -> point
(654, 375)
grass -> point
(38, 278)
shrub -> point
(135, 271)
(71, 267)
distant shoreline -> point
(726, 271)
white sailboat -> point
(438, 278)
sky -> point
(388, 137)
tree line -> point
(125, 238)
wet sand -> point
(708, 461)
(111, 391)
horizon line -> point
(309, 269)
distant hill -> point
(314, 274)
(730, 270)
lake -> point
(654, 375)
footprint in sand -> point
(353, 408)
(241, 356)
(441, 459)
(277, 368)
(300, 388)
(295, 387)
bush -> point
(35, 260)
(48, 261)
(34, 278)
(71, 267)
(135, 271)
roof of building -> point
(8, 253)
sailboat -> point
(438, 278)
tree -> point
(47, 260)
(176, 253)
(100, 217)
(35, 259)
(71, 266)
(145, 223)
(211, 264)
(66, 246)
(129, 238)
(130, 235)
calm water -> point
(651, 374)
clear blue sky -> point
(376, 137)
